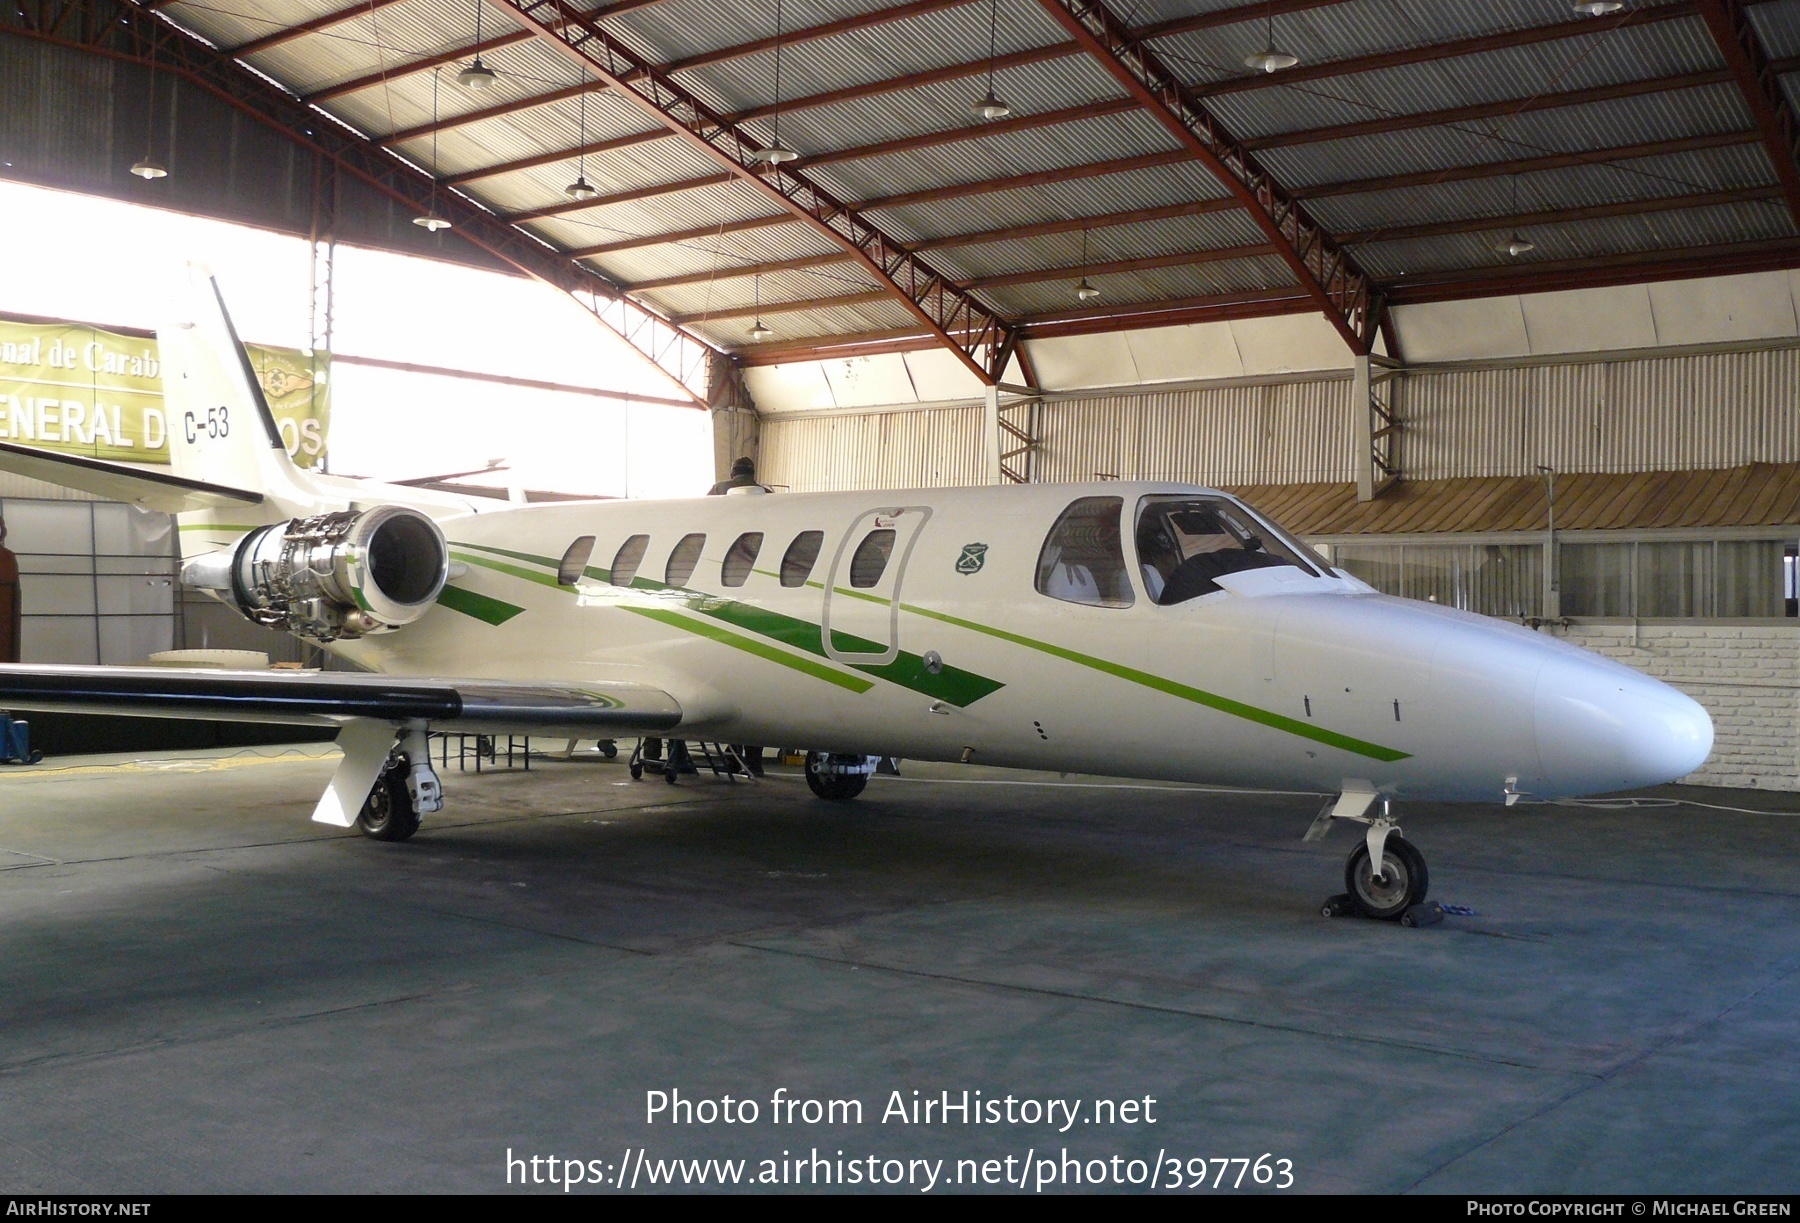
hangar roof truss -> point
(1407, 145)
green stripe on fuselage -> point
(952, 685)
(480, 606)
(1211, 700)
(751, 645)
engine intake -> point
(347, 574)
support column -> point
(990, 435)
(1375, 423)
(737, 428)
(324, 262)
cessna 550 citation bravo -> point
(1150, 630)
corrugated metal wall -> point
(1707, 410)
(1659, 414)
(77, 121)
(924, 449)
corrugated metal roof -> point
(388, 39)
(1755, 495)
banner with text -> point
(78, 389)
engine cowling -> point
(346, 574)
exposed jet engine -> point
(346, 574)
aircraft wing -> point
(602, 709)
(116, 482)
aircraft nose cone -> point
(1602, 726)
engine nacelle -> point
(346, 574)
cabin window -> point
(739, 560)
(1185, 543)
(626, 561)
(871, 558)
(574, 561)
(801, 556)
(683, 559)
(1083, 558)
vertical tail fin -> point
(220, 427)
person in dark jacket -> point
(743, 475)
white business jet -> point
(1149, 630)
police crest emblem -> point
(973, 557)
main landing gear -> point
(407, 790)
(838, 777)
(1394, 890)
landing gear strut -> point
(1385, 877)
(407, 790)
(838, 777)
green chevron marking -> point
(480, 606)
(751, 645)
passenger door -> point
(861, 619)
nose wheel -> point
(1400, 884)
(1385, 877)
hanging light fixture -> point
(1083, 290)
(147, 167)
(431, 220)
(759, 330)
(1269, 59)
(777, 153)
(581, 189)
(477, 75)
(990, 107)
(1598, 8)
(1515, 244)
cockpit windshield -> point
(1185, 543)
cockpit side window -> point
(1083, 558)
(1185, 543)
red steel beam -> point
(356, 84)
(322, 22)
(1343, 292)
(1525, 165)
(866, 298)
(592, 149)
(1558, 216)
(1503, 40)
(1597, 272)
(1134, 216)
(685, 235)
(979, 338)
(618, 197)
(1756, 80)
(740, 271)
(1111, 267)
(1487, 110)
(957, 135)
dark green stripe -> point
(480, 606)
(1223, 704)
(752, 646)
(514, 571)
(952, 685)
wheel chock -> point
(1338, 906)
(1429, 913)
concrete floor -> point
(204, 992)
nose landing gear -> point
(1385, 877)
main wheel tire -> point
(609, 749)
(1403, 883)
(833, 787)
(388, 813)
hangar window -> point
(1083, 558)
(1186, 543)
(628, 558)
(871, 558)
(738, 561)
(801, 556)
(574, 561)
(683, 559)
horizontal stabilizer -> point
(117, 482)
(559, 710)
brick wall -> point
(1747, 677)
